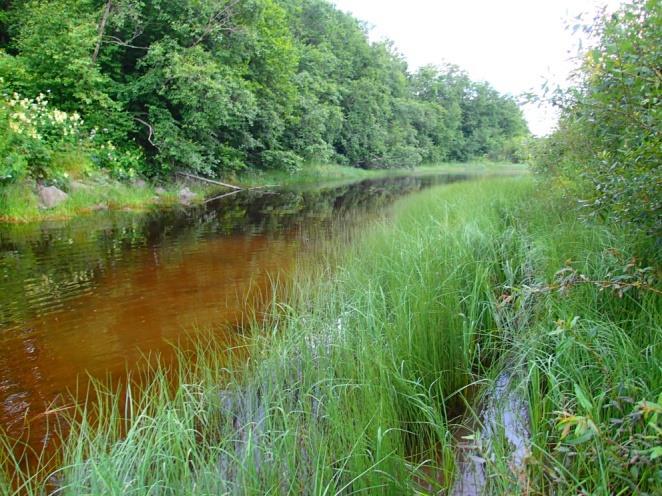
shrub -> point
(36, 140)
(610, 134)
(404, 156)
(282, 160)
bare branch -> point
(151, 131)
(218, 21)
(207, 180)
(116, 41)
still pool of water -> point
(93, 295)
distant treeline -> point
(214, 86)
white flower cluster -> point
(33, 118)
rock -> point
(139, 183)
(98, 207)
(160, 191)
(78, 186)
(186, 196)
(50, 196)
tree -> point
(609, 138)
(218, 85)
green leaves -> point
(578, 429)
(218, 85)
(610, 134)
(582, 399)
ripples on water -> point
(94, 294)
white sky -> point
(513, 44)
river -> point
(93, 295)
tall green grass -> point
(317, 173)
(587, 355)
(593, 360)
(356, 379)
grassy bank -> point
(358, 380)
(19, 202)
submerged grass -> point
(357, 377)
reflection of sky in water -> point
(97, 293)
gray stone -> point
(50, 196)
(139, 183)
(186, 196)
(160, 191)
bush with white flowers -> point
(32, 133)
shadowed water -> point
(94, 294)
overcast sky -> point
(513, 44)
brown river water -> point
(92, 296)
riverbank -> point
(363, 378)
(23, 202)
(29, 202)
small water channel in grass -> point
(91, 296)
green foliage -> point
(38, 141)
(217, 86)
(19, 199)
(54, 41)
(609, 138)
(284, 160)
(192, 99)
(591, 356)
(14, 162)
(466, 119)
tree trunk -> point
(102, 29)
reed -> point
(358, 377)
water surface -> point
(94, 294)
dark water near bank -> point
(95, 294)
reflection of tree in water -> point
(81, 295)
(55, 261)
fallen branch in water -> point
(212, 181)
(234, 193)
(222, 196)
